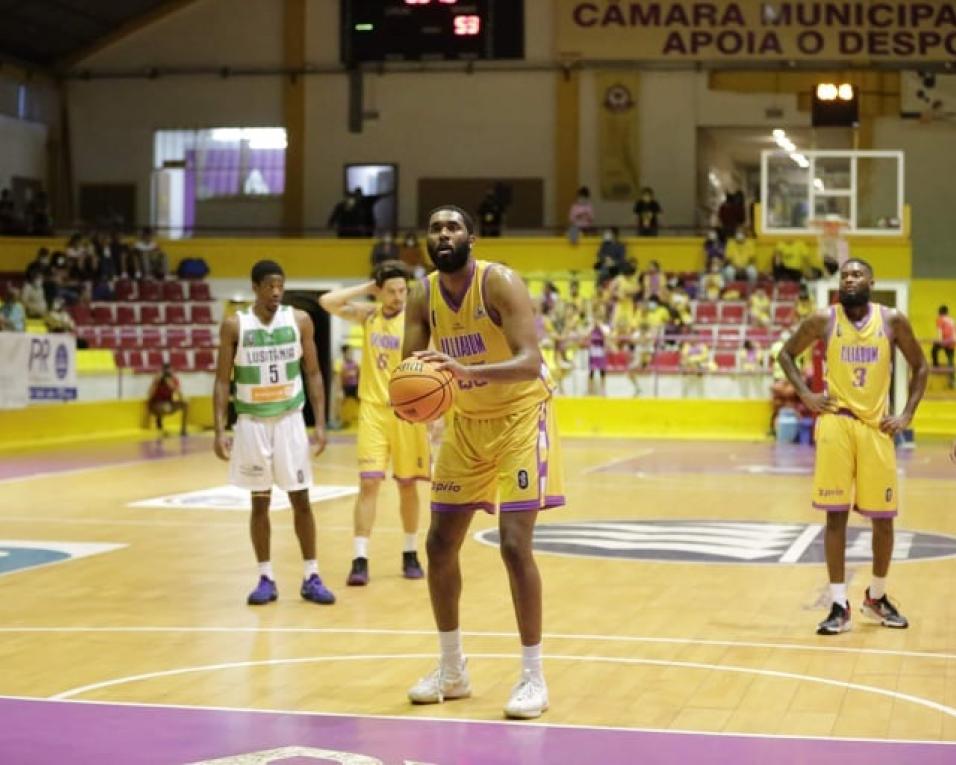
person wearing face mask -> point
(741, 258)
(34, 298)
(611, 256)
(648, 212)
(855, 459)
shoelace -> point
(527, 687)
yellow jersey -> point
(468, 332)
(859, 363)
(381, 353)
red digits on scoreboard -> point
(466, 26)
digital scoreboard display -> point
(431, 30)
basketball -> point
(420, 392)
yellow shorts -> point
(381, 435)
(855, 467)
(511, 462)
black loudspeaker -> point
(308, 301)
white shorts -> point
(271, 450)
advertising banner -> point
(618, 136)
(51, 367)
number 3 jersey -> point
(381, 353)
(266, 369)
(859, 362)
(469, 333)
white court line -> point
(488, 634)
(477, 721)
(226, 522)
(800, 544)
(896, 695)
(633, 456)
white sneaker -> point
(529, 698)
(443, 683)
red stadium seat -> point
(129, 337)
(124, 289)
(81, 315)
(666, 361)
(126, 359)
(150, 361)
(740, 287)
(199, 291)
(88, 334)
(125, 315)
(177, 337)
(203, 338)
(726, 361)
(706, 312)
(759, 336)
(728, 337)
(179, 361)
(784, 314)
(201, 313)
(151, 337)
(106, 338)
(733, 313)
(618, 361)
(205, 361)
(173, 292)
(176, 314)
(103, 313)
(787, 291)
(149, 291)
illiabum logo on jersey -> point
(719, 541)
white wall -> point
(22, 150)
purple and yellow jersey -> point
(381, 353)
(859, 363)
(467, 332)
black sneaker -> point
(882, 611)
(838, 621)
(411, 568)
(358, 576)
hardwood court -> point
(714, 634)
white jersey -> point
(267, 369)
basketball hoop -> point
(833, 246)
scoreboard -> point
(431, 30)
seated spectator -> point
(760, 308)
(749, 358)
(945, 340)
(680, 303)
(574, 299)
(165, 397)
(411, 255)
(581, 216)
(152, 260)
(57, 319)
(654, 283)
(648, 212)
(712, 283)
(713, 249)
(611, 256)
(741, 258)
(626, 285)
(385, 249)
(695, 357)
(13, 317)
(345, 400)
(790, 260)
(805, 304)
(34, 298)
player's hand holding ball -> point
(420, 391)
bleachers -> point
(151, 322)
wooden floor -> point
(691, 646)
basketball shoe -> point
(882, 611)
(358, 576)
(265, 592)
(529, 698)
(443, 683)
(838, 621)
(411, 568)
(313, 590)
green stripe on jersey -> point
(247, 375)
(271, 409)
(259, 338)
(292, 370)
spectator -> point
(346, 402)
(732, 214)
(385, 249)
(597, 355)
(789, 260)
(654, 282)
(12, 316)
(749, 358)
(34, 298)
(581, 215)
(411, 254)
(695, 357)
(152, 259)
(165, 397)
(712, 283)
(713, 249)
(945, 339)
(760, 308)
(648, 213)
(805, 305)
(58, 320)
(490, 215)
(611, 256)
(741, 258)
(575, 300)
(348, 217)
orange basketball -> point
(419, 392)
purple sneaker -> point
(265, 592)
(358, 576)
(315, 591)
(411, 568)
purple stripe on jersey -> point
(372, 474)
(492, 314)
(832, 508)
(450, 300)
(862, 322)
(876, 513)
(887, 329)
(411, 479)
(554, 500)
(525, 504)
(447, 507)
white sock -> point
(531, 659)
(265, 569)
(451, 652)
(309, 567)
(411, 542)
(878, 587)
(838, 593)
(360, 547)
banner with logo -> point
(14, 360)
(751, 30)
(618, 134)
(51, 367)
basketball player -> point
(262, 349)
(382, 437)
(499, 452)
(855, 460)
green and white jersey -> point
(266, 370)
